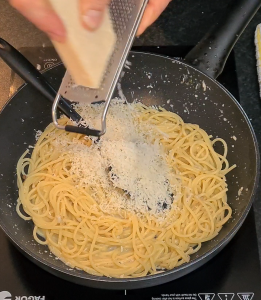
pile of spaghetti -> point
(138, 201)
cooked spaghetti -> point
(138, 201)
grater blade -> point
(126, 16)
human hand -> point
(154, 9)
(42, 15)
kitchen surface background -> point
(183, 23)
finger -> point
(41, 14)
(152, 12)
(92, 12)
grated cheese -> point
(124, 167)
(38, 133)
(240, 191)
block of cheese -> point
(85, 53)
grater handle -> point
(83, 130)
(70, 128)
(21, 66)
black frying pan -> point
(215, 110)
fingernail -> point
(92, 18)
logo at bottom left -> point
(5, 295)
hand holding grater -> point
(126, 16)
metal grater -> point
(126, 16)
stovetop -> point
(233, 274)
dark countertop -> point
(183, 23)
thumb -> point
(92, 12)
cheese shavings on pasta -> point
(131, 170)
(138, 201)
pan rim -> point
(196, 261)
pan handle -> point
(21, 66)
(211, 53)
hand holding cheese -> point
(91, 15)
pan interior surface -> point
(153, 80)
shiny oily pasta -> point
(71, 219)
